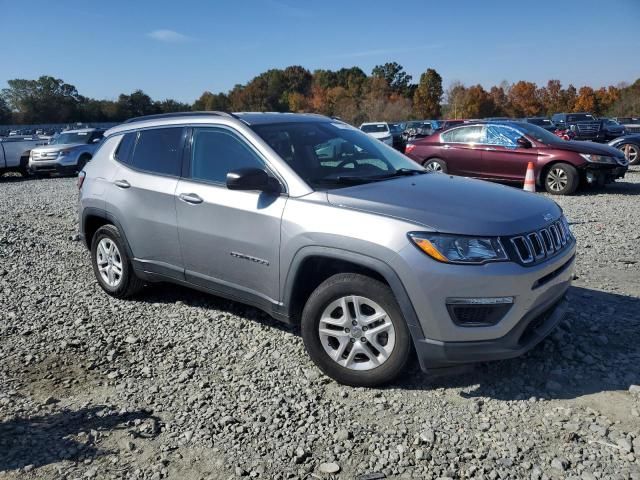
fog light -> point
(591, 177)
(479, 311)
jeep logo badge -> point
(547, 217)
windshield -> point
(378, 128)
(330, 155)
(76, 137)
(580, 117)
(611, 122)
(540, 121)
(539, 134)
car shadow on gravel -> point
(172, 294)
(64, 435)
(596, 349)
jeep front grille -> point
(534, 247)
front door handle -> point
(122, 184)
(190, 198)
(489, 148)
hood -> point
(451, 204)
(55, 148)
(635, 137)
(379, 134)
(586, 147)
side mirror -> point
(524, 143)
(252, 179)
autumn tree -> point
(428, 95)
(477, 103)
(500, 99)
(46, 99)
(136, 104)
(211, 102)
(455, 97)
(523, 99)
(5, 112)
(586, 101)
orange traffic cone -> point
(529, 179)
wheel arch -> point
(312, 265)
(94, 218)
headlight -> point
(62, 153)
(459, 249)
(598, 158)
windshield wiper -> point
(345, 180)
(401, 172)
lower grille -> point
(478, 315)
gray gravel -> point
(176, 384)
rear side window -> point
(463, 135)
(159, 151)
(217, 151)
(125, 148)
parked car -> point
(379, 130)
(373, 257)
(14, 153)
(612, 129)
(501, 152)
(398, 138)
(630, 146)
(542, 122)
(630, 124)
(66, 153)
(564, 133)
(584, 125)
(417, 129)
(444, 124)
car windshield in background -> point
(539, 134)
(540, 121)
(333, 155)
(68, 138)
(611, 122)
(380, 128)
(395, 128)
(580, 117)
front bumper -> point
(65, 167)
(600, 174)
(538, 306)
(531, 330)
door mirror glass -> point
(252, 179)
(524, 143)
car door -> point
(230, 239)
(461, 149)
(503, 158)
(141, 197)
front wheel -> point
(435, 165)
(354, 331)
(631, 152)
(561, 179)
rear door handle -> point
(122, 184)
(190, 198)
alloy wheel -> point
(557, 179)
(631, 152)
(356, 333)
(435, 167)
(109, 262)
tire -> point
(126, 283)
(631, 152)
(435, 165)
(561, 179)
(361, 363)
(23, 170)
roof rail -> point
(159, 116)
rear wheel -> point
(111, 264)
(435, 165)
(561, 179)
(631, 152)
(354, 331)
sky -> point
(178, 49)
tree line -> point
(387, 94)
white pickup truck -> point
(14, 153)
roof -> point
(82, 130)
(250, 118)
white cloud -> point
(168, 36)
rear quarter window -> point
(125, 148)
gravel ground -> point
(176, 384)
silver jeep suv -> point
(317, 223)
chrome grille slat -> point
(534, 247)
